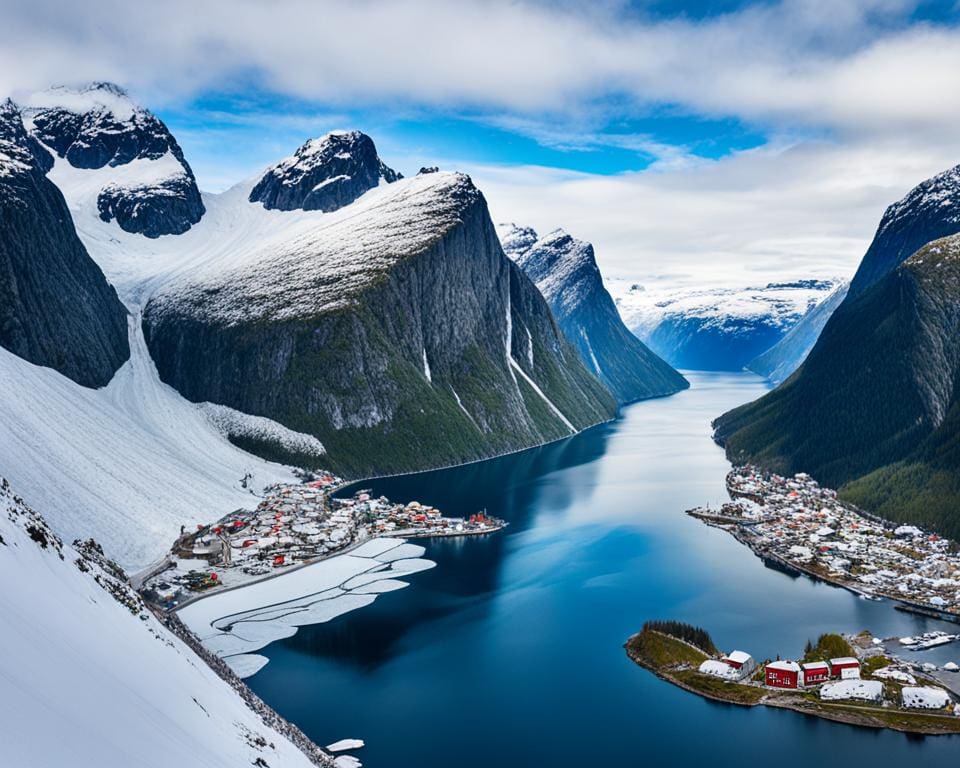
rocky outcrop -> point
(154, 191)
(399, 335)
(56, 307)
(565, 271)
(324, 174)
(930, 210)
(874, 408)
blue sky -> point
(725, 140)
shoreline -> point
(748, 695)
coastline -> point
(749, 695)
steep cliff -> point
(784, 357)
(565, 271)
(394, 330)
(324, 174)
(56, 308)
(930, 210)
(152, 190)
(874, 408)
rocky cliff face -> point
(930, 210)
(56, 308)
(324, 174)
(397, 333)
(154, 192)
(565, 271)
(874, 408)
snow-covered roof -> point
(842, 660)
(784, 666)
(741, 657)
(718, 669)
(924, 697)
(866, 690)
(816, 665)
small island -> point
(846, 679)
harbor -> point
(795, 524)
(294, 525)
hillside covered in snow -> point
(90, 678)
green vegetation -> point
(829, 646)
(686, 632)
(874, 663)
(661, 651)
(714, 687)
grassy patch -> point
(662, 652)
(735, 693)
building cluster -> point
(837, 679)
(795, 521)
(294, 524)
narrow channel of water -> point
(508, 653)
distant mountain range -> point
(565, 270)
(719, 328)
(873, 409)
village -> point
(793, 522)
(294, 525)
(855, 679)
(868, 674)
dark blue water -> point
(509, 652)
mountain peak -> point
(324, 174)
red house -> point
(845, 668)
(816, 672)
(783, 674)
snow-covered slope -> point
(148, 186)
(784, 357)
(129, 463)
(565, 271)
(90, 679)
(715, 328)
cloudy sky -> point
(732, 140)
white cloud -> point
(851, 66)
(806, 210)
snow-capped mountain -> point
(718, 328)
(56, 308)
(565, 271)
(147, 186)
(394, 329)
(324, 174)
(90, 678)
(784, 357)
(929, 211)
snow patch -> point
(557, 412)
(236, 424)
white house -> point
(924, 697)
(719, 669)
(742, 662)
